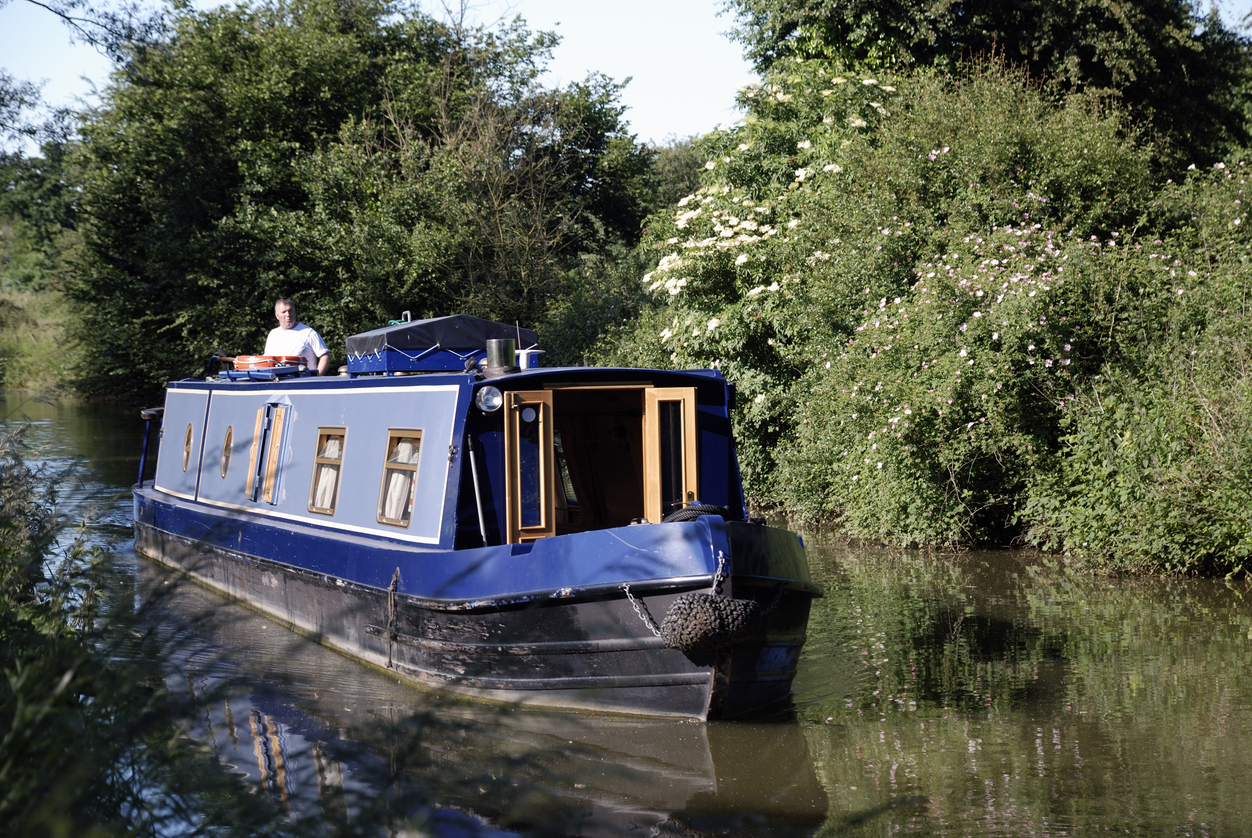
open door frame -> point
(515, 402)
(690, 489)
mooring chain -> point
(717, 577)
(641, 610)
(782, 586)
(646, 616)
(391, 614)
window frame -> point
(319, 461)
(389, 467)
(187, 440)
(228, 443)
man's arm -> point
(323, 363)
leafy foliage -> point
(926, 289)
(1169, 61)
(359, 161)
(825, 206)
(37, 216)
(1154, 472)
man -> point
(292, 338)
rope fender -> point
(698, 620)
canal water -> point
(985, 693)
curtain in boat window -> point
(399, 472)
(328, 460)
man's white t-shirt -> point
(298, 340)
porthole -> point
(187, 448)
(227, 445)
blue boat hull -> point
(565, 622)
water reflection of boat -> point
(324, 739)
(541, 536)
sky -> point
(684, 69)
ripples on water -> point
(978, 694)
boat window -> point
(187, 448)
(395, 500)
(528, 450)
(227, 444)
(670, 480)
(327, 460)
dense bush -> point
(923, 285)
(829, 199)
(1154, 467)
(1175, 63)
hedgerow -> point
(1154, 467)
(920, 285)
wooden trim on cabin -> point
(394, 470)
(250, 489)
(320, 462)
(515, 404)
(187, 446)
(653, 502)
(275, 444)
(621, 385)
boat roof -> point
(540, 376)
(456, 333)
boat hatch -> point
(589, 458)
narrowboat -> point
(452, 512)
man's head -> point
(285, 311)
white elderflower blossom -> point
(804, 144)
(714, 323)
(670, 262)
(741, 259)
(832, 167)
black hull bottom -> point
(593, 653)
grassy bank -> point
(34, 352)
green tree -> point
(38, 209)
(1169, 62)
(358, 160)
(678, 166)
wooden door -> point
(669, 451)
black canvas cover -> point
(458, 333)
